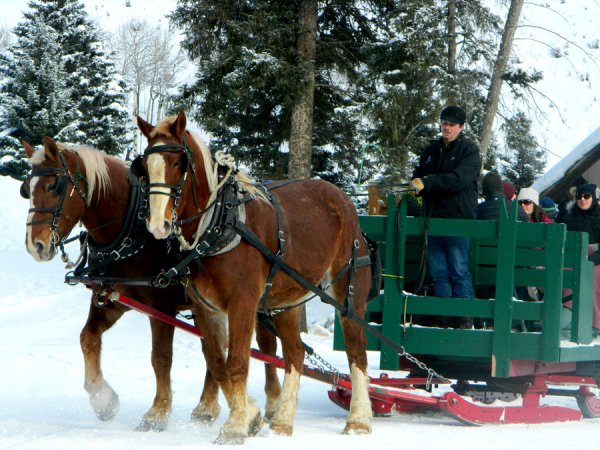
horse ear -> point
(144, 126)
(178, 127)
(50, 148)
(29, 150)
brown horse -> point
(72, 184)
(314, 230)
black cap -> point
(454, 114)
(589, 188)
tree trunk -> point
(452, 100)
(300, 162)
(299, 165)
(491, 104)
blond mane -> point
(249, 183)
(96, 166)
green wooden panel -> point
(504, 253)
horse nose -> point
(167, 227)
(39, 248)
(159, 229)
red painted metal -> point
(588, 402)
(380, 388)
(390, 395)
(473, 414)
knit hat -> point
(589, 188)
(549, 207)
(454, 114)
(491, 185)
(529, 194)
(509, 189)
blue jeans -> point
(448, 259)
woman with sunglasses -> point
(584, 215)
(529, 200)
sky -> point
(557, 37)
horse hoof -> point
(152, 425)
(205, 415)
(269, 416)
(255, 425)
(229, 438)
(105, 403)
(357, 428)
(203, 418)
(281, 429)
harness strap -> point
(281, 249)
(326, 298)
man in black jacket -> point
(446, 177)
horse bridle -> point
(174, 189)
(63, 176)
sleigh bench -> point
(504, 254)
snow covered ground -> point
(43, 404)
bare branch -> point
(565, 39)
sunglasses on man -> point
(525, 202)
(585, 196)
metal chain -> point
(421, 365)
(324, 366)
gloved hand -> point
(417, 185)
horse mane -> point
(96, 166)
(211, 176)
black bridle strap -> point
(166, 148)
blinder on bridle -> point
(59, 187)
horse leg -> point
(157, 417)
(103, 398)
(288, 329)
(208, 407)
(267, 343)
(244, 416)
(360, 414)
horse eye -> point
(51, 187)
(176, 164)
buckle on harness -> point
(163, 279)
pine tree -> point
(35, 98)
(88, 87)
(248, 76)
(524, 160)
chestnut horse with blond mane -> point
(69, 184)
(310, 226)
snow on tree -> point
(57, 80)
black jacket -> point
(450, 178)
(489, 209)
(588, 220)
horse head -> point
(174, 163)
(54, 210)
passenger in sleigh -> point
(584, 215)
